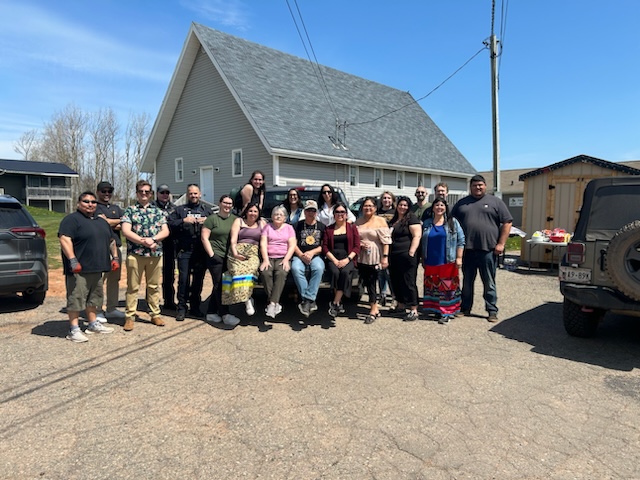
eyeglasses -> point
(326, 192)
(340, 212)
(106, 191)
(144, 192)
(165, 192)
(89, 201)
(227, 203)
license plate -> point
(577, 275)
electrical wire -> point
(425, 96)
(315, 65)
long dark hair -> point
(264, 180)
(447, 217)
(334, 196)
(409, 213)
(368, 199)
(287, 203)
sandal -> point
(369, 319)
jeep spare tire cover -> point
(623, 260)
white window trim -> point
(399, 180)
(377, 177)
(233, 155)
(179, 169)
(356, 175)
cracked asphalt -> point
(290, 400)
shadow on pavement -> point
(15, 303)
(615, 346)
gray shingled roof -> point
(36, 168)
(285, 101)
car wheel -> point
(623, 260)
(578, 323)
(36, 297)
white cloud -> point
(226, 12)
(29, 33)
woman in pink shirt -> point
(277, 244)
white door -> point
(206, 184)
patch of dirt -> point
(58, 289)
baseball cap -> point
(310, 204)
(104, 184)
(163, 187)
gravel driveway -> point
(286, 400)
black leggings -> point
(369, 278)
(404, 270)
(217, 265)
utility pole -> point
(493, 52)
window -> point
(400, 180)
(421, 179)
(353, 175)
(377, 177)
(179, 170)
(236, 160)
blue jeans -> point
(485, 262)
(308, 288)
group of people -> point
(236, 245)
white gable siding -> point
(207, 126)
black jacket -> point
(187, 235)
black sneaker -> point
(341, 308)
(180, 316)
(304, 308)
(333, 310)
(313, 306)
(196, 313)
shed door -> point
(206, 184)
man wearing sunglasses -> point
(88, 251)
(110, 212)
(145, 226)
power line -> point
(425, 96)
(314, 65)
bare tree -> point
(135, 141)
(103, 135)
(63, 141)
(27, 144)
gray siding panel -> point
(208, 124)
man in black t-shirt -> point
(111, 213)
(308, 258)
(88, 251)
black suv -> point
(23, 253)
(601, 269)
(278, 195)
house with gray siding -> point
(234, 106)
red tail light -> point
(576, 252)
(28, 231)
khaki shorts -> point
(84, 290)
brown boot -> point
(158, 321)
(128, 324)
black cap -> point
(162, 187)
(104, 184)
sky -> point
(569, 70)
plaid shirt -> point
(146, 222)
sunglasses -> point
(165, 192)
(420, 193)
(310, 210)
(340, 212)
(144, 192)
(325, 192)
(89, 201)
(106, 191)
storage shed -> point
(553, 197)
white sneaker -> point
(230, 320)
(77, 336)
(278, 309)
(249, 308)
(101, 318)
(214, 318)
(271, 310)
(114, 315)
(97, 327)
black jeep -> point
(601, 269)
